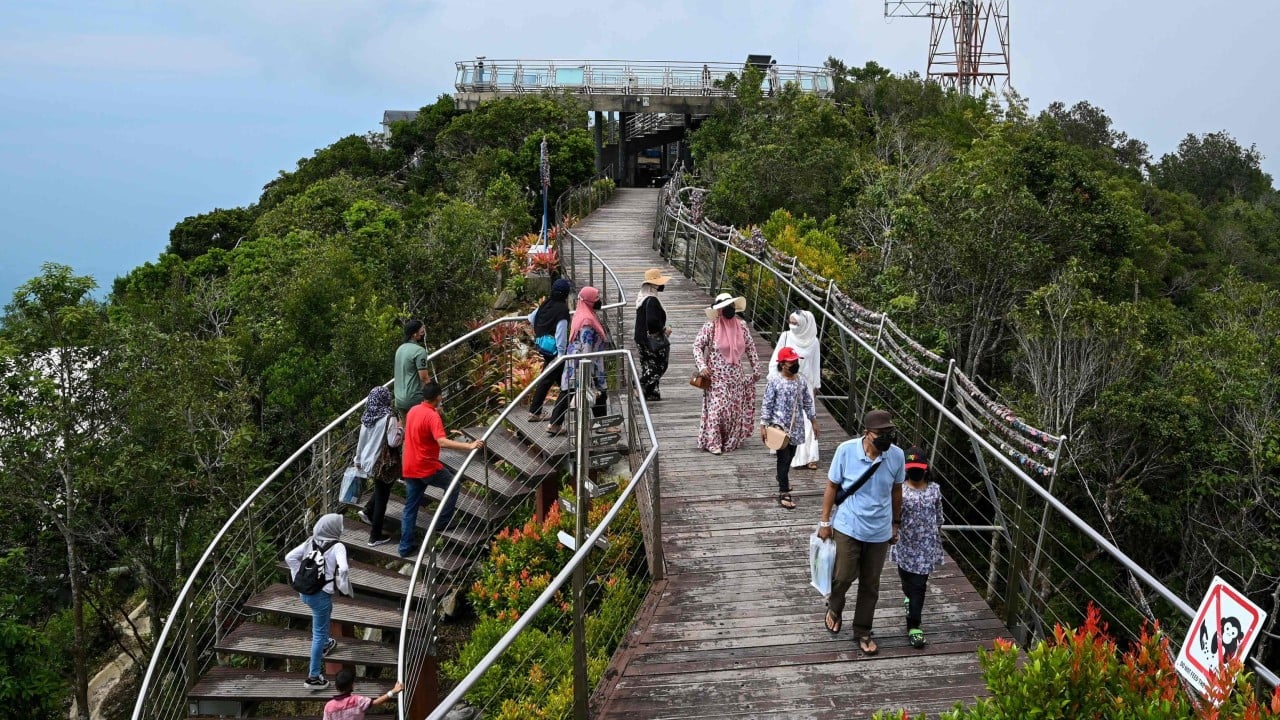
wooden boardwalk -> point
(735, 631)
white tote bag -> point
(822, 563)
(352, 486)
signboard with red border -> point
(1225, 628)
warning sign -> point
(1224, 629)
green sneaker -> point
(916, 637)
(906, 604)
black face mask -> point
(884, 442)
(661, 288)
(728, 312)
(793, 368)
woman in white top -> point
(378, 457)
(802, 336)
(324, 539)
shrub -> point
(1082, 673)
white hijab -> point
(647, 290)
(803, 338)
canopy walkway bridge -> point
(728, 626)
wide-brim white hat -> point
(724, 300)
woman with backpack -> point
(380, 434)
(317, 567)
(551, 336)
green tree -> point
(1214, 167)
(219, 228)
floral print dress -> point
(729, 407)
(919, 547)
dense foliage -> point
(131, 427)
(1127, 302)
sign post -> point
(1225, 628)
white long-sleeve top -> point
(335, 565)
(374, 441)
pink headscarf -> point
(584, 313)
(729, 340)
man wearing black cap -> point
(866, 523)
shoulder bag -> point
(844, 494)
(775, 437)
(700, 381)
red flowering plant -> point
(521, 563)
(1083, 673)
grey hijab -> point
(329, 527)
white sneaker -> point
(315, 683)
(363, 518)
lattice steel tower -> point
(963, 52)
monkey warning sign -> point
(1224, 630)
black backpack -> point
(310, 578)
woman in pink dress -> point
(725, 351)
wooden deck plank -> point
(251, 638)
(246, 684)
(365, 612)
(735, 631)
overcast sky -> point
(121, 118)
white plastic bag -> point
(822, 563)
(352, 486)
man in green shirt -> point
(411, 371)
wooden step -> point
(486, 475)
(246, 685)
(363, 611)
(462, 530)
(535, 434)
(355, 535)
(529, 462)
(371, 579)
(260, 640)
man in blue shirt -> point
(866, 523)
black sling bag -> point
(857, 484)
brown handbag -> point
(698, 380)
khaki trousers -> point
(861, 561)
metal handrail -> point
(579, 555)
(239, 512)
(628, 77)
(1079, 523)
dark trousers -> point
(785, 456)
(861, 561)
(600, 407)
(653, 364)
(376, 508)
(544, 385)
(913, 586)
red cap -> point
(788, 354)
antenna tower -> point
(964, 53)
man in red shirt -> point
(424, 435)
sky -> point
(120, 118)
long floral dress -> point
(729, 407)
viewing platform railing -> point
(621, 77)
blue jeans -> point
(321, 605)
(413, 498)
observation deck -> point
(693, 88)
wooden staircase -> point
(262, 661)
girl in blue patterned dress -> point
(787, 404)
(919, 548)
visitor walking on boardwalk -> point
(787, 404)
(550, 323)
(323, 561)
(725, 352)
(424, 435)
(919, 548)
(410, 372)
(377, 457)
(866, 523)
(586, 334)
(347, 705)
(652, 333)
(802, 336)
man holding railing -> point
(424, 435)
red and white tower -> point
(968, 40)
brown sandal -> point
(833, 627)
(868, 645)
(784, 500)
